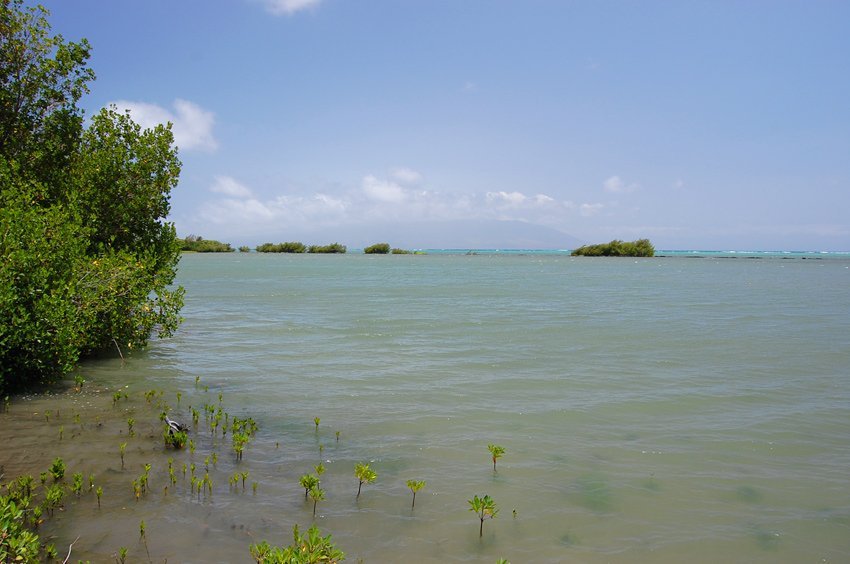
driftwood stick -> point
(119, 349)
(69, 550)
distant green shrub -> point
(288, 247)
(194, 243)
(617, 248)
(332, 248)
(401, 252)
(244, 249)
(377, 249)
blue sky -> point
(506, 124)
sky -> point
(489, 124)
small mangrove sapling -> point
(317, 494)
(485, 508)
(496, 452)
(308, 481)
(364, 474)
(415, 486)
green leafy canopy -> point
(88, 260)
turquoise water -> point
(652, 410)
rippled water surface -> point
(661, 410)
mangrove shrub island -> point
(196, 244)
(617, 248)
(298, 247)
(384, 249)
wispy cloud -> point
(230, 187)
(192, 125)
(399, 198)
(589, 210)
(289, 7)
(615, 185)
(406, 176)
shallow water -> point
(652, 410)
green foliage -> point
(176, 439)
(17, 544)
(401, 252)
(377, 249)
(196, 244)
(57, 469)
(311, 548)
(327, 249)
(364, 474)
(415, 486)
(308, 481)
(317, 494)
(617, 248)
(485, 508)
(87, 257)
(496, 452)
(289, 247)
(244, 249)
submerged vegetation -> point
(617, 248)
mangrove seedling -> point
(254, 487)
(143, 537)
(337, 436)
(496, 452)
(308, 481)
(364, 474)
(122, 555)
(121, 448)
(244, 476)
(316, 420)
(98, 492)
(415, 486)
(79, 381)
(61, 431)
(53, 497)
(317, 494)
(130, 423)
(77, 484)
(57, 469)
(485, 508)
(320, 469)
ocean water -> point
(652, 410)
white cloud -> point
(383, 190)
(406, 175)
(589, 210)
(509, 198)
(241, 211)
(230, 187)
(192, 125)
(289, 7)
(616, 185)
